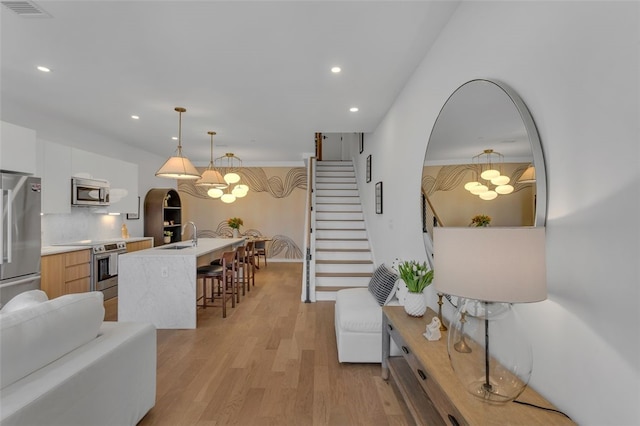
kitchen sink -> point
(175, 247)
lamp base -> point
(488, 351)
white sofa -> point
(60, 364)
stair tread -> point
(337, 288)
(341, 239)
(339, 220)
(344, 274)
(342, 250)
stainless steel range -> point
(104, 265)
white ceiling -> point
(257, 73)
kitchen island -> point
(158, 285)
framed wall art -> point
(361, 143)
(369, 168)
(379, 198)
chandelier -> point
(231, 165)
(489, 163)
(211, 178)
(178, 166)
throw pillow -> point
(35, 336)
(382, 284)
(22, 300)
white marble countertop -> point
(205, 246)
(48, 250)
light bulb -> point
(488, 195)
(228, 198)
(469, 185)
(215, 193)
(232, 178)
(490, 174)
(504, 189)
(479, 189)
(500, 180)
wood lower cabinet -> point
(139, 245)
(66, 273)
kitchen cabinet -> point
(139, 245)
(57, 163)
(122, 177)
(66, 273)
(17, 148)
(55, 170)
(162, 213)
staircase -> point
(342, 255)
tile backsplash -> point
(80, 224)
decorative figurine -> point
(433, 330)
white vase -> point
(236, 233)
(415, 304)
(167, 240)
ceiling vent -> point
(26, 9)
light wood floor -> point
(272, 361)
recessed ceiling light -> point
(353, 109)
(175, 138)
(135, 117)
(43, 69)
(336, 70)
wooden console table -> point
(431, 390)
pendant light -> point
(178, 166)
(230, 164)
(211, 178)
(494, 175)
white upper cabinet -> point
(55, 169)
(17, 148)
(122, 177)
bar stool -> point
(250, 259)
(261, 250)
(225, 275)
(241, 265)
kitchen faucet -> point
(195, 232)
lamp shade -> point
(211, 178)
(178, 167)
(491, 264)
(529, 175)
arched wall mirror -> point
(484, 125)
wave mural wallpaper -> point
(273, 208)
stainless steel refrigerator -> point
(19, 234)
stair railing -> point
(308, 273)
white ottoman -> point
(358, 322)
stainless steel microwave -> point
(89, 192)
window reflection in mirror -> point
(481, 115)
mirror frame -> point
(534, 143)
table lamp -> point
(489, 269)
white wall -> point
(575, 64)
(79, 225)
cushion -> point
(37, 335)
(23, 300)
(382, 284)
